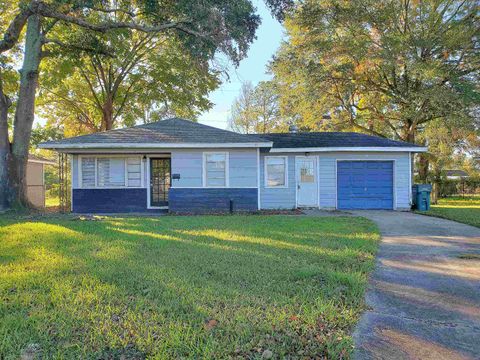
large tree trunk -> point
(24, 114)
(409, 136)
(435, 195)
(423, 165)
(4, 146)
(107, 115)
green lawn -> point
(462, 209)
(52, 201)
(182, 287)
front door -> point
(159, 181)
(307, 188)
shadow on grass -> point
(153, 286)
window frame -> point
(265, 172)
(125, 158)
(80, 172)
(227, 169)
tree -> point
(148, 76)
(386, 68)
(243, 110)
(203, 27)
(45, 133)
(256, 109)
(450, 146)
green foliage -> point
(183, 287)
(256, 109)
(454, 187)
(149, 78)
(44, 133)
(450, 143)
(381, 67)
(52, 186)
(85, 40)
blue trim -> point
(198, 200)
(109, 200)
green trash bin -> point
(422, 196)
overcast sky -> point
(252, 69)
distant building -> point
(456, 174)
(36, 179)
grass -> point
(462, 209)
(52, 201)
(182, 287)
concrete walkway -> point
(424, 295)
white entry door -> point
(307, 188)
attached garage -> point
(365, 185)
(325, 170)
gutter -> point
(148, 146)
(413, 149)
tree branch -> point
(92, 89)
(109, 11)
(77, 47)
(66, 100)
(97, 74)
(124, 101)
(45, 10)
(14, 30)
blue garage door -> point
(365, 184)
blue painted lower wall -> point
(109, 200)
(185, 200)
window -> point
(215, 169)
(108, 172)
(276, 171)
(134, 172)
(88, 172)
(307, 172)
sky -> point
(252, 68)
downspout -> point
(258, 179)
(410, 176)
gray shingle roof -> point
(457, 172)
(175, 131)
(330, 139)
(170, 131)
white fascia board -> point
(148, 146)
(348, 149)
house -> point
(188, 167)
(36, 179)
(456, 174)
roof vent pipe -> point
(293, 129)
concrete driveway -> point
(424, 295)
